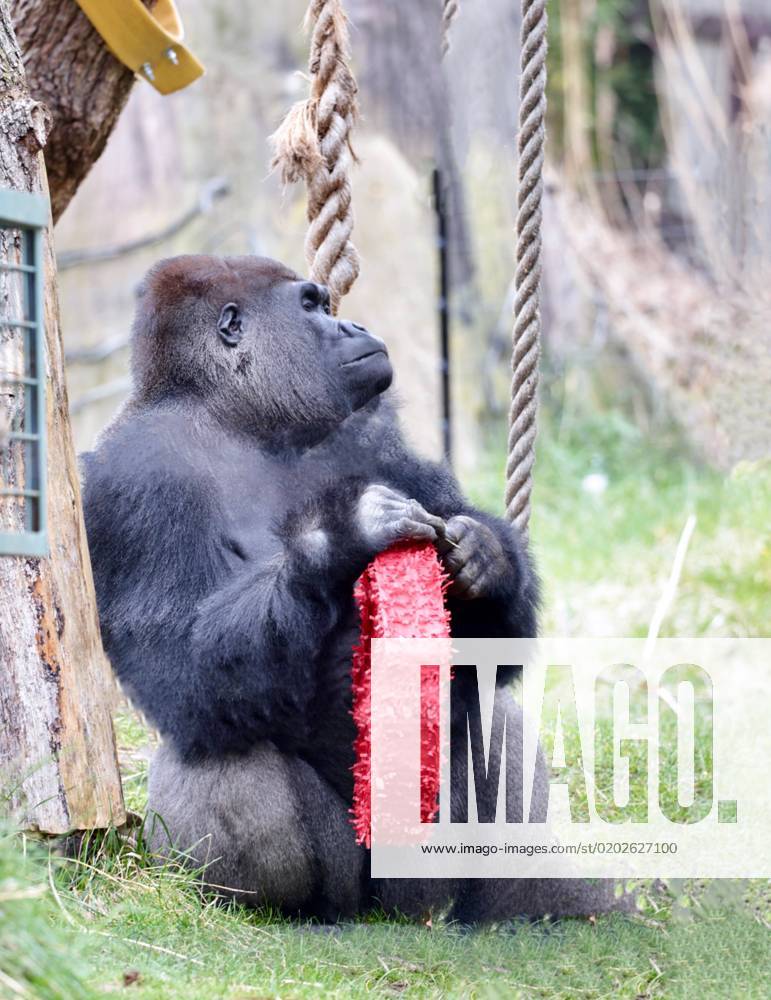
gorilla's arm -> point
(504, 600)
(266, 630)
(217, 650)
(220, 644)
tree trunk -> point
(58, 767)
(84, 87)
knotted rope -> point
(313, 144)
(449, 13)
(527, 322)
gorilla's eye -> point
(309, 296)
(315, 297)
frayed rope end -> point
(295, 143)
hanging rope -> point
(449, 13)
(313, 144)
(527, 322)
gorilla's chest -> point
(257, 491)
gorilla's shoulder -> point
(143, 487)
(145, 443)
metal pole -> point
(443, 306)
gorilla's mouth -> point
(363, 357)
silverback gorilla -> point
(255, 471)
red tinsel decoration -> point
(400, 595)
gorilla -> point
(254, 472)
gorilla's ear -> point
(229, 324)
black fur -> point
(227, 526)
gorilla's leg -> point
(411, 897)
(268, 829)
(484, 900)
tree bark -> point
(58, 767)
(84, 87)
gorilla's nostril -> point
(352, 329)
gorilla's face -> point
(355, 360)
(257, 342)
(312, 367)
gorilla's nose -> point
(349, 329)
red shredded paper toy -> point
(400, 595)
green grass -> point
(38, 956)
(135, 748)
(241, 958)
(121, 921)
(604, 557)
(114, 919)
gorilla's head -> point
(254, 341)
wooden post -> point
(58, 767)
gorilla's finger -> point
(384, 495)
(477, 585)
(460, 525)
(444, 545)
(403, 507)
(452, 534)
(468, 577)
(461, 585)
(394, 507)
(386, 491)
(463, 554)
(471, 581)
(407, 528)
(457, 531)
(472, 567)
(452, 558)
(418, 513)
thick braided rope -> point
(313, 144)
(332, 257)
(449, 13)
(527, 322)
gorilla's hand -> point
(473, 555)
(385, 516)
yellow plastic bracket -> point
(147, 41)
